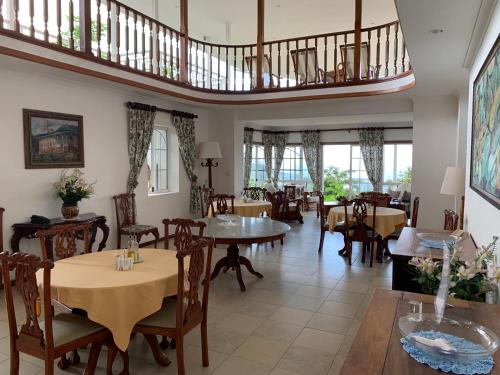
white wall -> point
(30, 191)
(434, 148)
(482, 219)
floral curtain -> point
(313, 154)
(280, 140)
(140, 131)
(184, 127)
(268, 140)
(371, 142)
(248, 141)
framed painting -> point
(52, 140)
(485, 147)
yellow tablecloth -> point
(386, 222)
(249, 209)
(115, 299)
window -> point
(258, 172)
(397, 164)
(157, 160)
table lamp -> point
(209, 151)
(454, 184)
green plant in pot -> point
(72, 188)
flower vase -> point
(69, 210)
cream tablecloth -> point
(115, 299)
(386, 222)
(249, 209)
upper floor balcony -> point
(114, 34)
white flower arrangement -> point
(72, 188)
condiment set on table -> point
(129, 257)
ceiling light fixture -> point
(436, 31)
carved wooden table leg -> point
(158, 355)
(101, 224)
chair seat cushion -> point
(369, 233)
(339, 227)
(164, 318)
(137, 228)
(70, 327)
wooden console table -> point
(28, 230)
(377, 349)
(408, 246)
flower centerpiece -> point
(468, 280)
(72, 188)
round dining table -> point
(239, 230)
(115, 299)
(251, 208)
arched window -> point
(157, 160)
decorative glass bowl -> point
(485, 341)
(435, 240)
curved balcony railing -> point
(112, 33)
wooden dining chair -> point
(205, 193)
(324, 210)
(255, 193)
(413, 223)
(358, 230)
(178, 317)
(219, 204)
(57, 334)
(64, 239)
(383, 200)
(1, 228)
(311, 199)
(126, 223)
(450, 220)
(183, 233)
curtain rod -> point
(332, 130)
(146, 106)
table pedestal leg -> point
(233, 259)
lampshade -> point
(209, 150)
(454, 182)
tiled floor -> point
(301, 318)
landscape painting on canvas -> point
(485, 158)
(52, 140)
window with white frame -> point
(157, 160)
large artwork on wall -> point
(485, 158)
(52, 140)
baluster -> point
(251, 69)
(177, 55)
(143, 43)
(135, 40)
(296, 63)
(396, 49)
(1, 17)
(99, 27)
(164, 65)
(16, 16)
(279, 65)
(71, 26)
(45, 19)
(325, 57)
(203, 65)
(287, 63)
(227, 69)
(158, 52)
(218, 67)
(32, 15)
(118, 32)
(404, 54)
(171, 54)
(387, 32)
(307, 60)
(151, 45)
(108, 26)
(335, 66)
(270, 64)
(369, 54)
(316, 62)
(127, 61)
(243, 68)
(211, 65)
(234, 69)
(378, 50)
(345, 57)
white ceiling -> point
(234, 21)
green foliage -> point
(335, 183)
(404, 177)
(76, 31)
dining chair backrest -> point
(383, 200)
(254, 192)
(205, 193)
(125, 210)
(190, 311)
(1, 228)
(323, 211)
(31, 338)
(183, 233)
(359, 229)
(290, 191)
(414, 213)
(64, 239)
(279, 202)
(450, 220)
(219, 204)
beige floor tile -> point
(319, 340)
(279, 371)
(322, 281)
(338, 362)
(256, 309)
(346, 297)
(223, 341)
(276, 297)
(240, 323)
(353, 329)
(297, 301)
(306, 361)
(346, 345)
(261, 350)
(354, 287)
(240, 366)
(25, 368)
(339, 309)
(313, 292)
(330, 323)
(293, 316)
(274, 330)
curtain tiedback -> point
(280, 141)
(371, 142)
(248, 141)
(184, 127)
(140, 131)
(313, 154)
(268, 141)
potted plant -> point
(72, 188)
(468, 280)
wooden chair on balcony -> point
(1, 228)
(255, 193)
(450, 220)
(219, 204)
(267, 78)
(126, 220)
(205, 193)
(57, 334)
(178, 317)
(346, 67)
